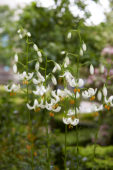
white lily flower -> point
(37, 65)
(109, 101)
(41, 90)
(61, 93)
(80, 83)
(98, 108)
(74, 122)
(104, 90)
(70, 121)
(35, 47)
(66, 120)
(15, 68)
(57, 67)
(16, 58)
(71, 112)
(57, 109)
(54, 81)
(84, 46)
(91, 69)
(28, 34)
(89, 93)
(53, 106)
(35, 81)
(25, 76)
(69, 35)
(13, 88)
(102, 68)
(36, 105)
(99, 95)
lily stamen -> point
(51, 114)
(92, 98)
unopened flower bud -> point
(16, 58)
(84, 47)
(81, 52)
(69, 35)
(99, 96)
(104, 91)
(15, 68)
(91, 69)
(102, 68)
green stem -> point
(95, 144)
(30, 123)
(47, 128)
(77, 139)
(65, 146)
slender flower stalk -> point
(65, 147)
(77, 137)
(96, 138)
(30, 122)
(47, 127)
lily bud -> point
(28, 34)
(99, 96)
(37, 66)
(91, 69)
(81, 52)
(54, 80)
(15, 68)
(69, 35)
(16, 58)
(102, 68)
(63, 52)
(84, 47)
(35, 47)
(104, 91)
(39, 54)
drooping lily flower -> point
(70, 121)
(36, 106)
(25, 77)
(13, 89)
(90, 93)
(41, 90)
